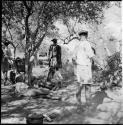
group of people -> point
(10, 64)
(6, 59)
(82, 60)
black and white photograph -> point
(61, 62)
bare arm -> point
(92, 56)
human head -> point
(83, 35)
(6, 44)
(54, 41)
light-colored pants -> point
(84, 80)
(84, 74)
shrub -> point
(112, 76)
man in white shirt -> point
(83, 60)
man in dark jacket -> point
(54, 57)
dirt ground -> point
(106, 106)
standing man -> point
(6, 60)
(54, 57)
(83, 60)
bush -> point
(112, 76)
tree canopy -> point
(43, 13)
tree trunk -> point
(27, 67)
(30, 66)
(27, 53)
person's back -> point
(83, 53)
(82, 60)
(55, 55)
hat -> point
(84, 33)
(54, 40)
(6, 43)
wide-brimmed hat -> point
(83, 33)
(54, 40)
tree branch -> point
(27, 7)
(11, 39)
(7, 28)
(27, 30)
(10, 34)
(71, 40)
(38, 44)
(68, 27)
(38, 25)
(22, 45)
(74, 26)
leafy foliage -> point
(44, 13)
(50, 10)
(112, 76)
